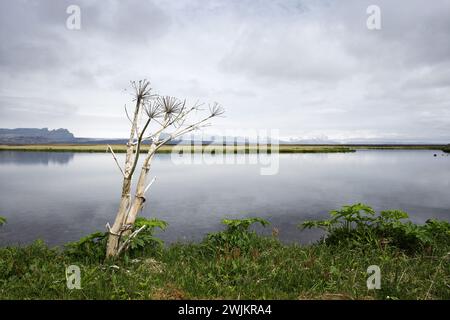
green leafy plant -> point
(236, 234)
(347, 218)
(2, 221)
(359, 224)
(145, 239)
(439, 231)
(446, 148)
(92, 247)
(242, 225)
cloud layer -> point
(308, 68)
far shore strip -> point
(218, 148)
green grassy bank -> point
(169, 148)
(236, 149)
(239, 264)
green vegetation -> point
(236, 236)
(74, 148)
(358, 224)
(2, 221)
(169, 148)
(313, 149)
(284, 148)
(400, 147)
(92, 247)
(237, 263)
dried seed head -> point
(171, 106)
(142, 90)
(216, 109)
(153, 109)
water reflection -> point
(42, 158)
(63, 203)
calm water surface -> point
(60, 197)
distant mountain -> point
(34, 135)
(46, 136)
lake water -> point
(60, 197)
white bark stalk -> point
(115, 159)
(149, 185)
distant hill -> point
(45, 136)
(34, 135)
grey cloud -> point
(338, 44)
(34, 34)
(35, 105)
(18, 111)
(280, 55)
(305, 67)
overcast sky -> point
(307, 68)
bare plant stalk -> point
(142, 93)
(167, 112)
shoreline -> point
(267, 269)
(99, 148)
(239, 263)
